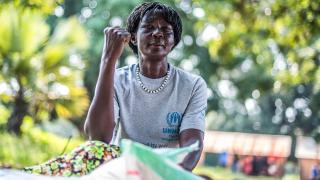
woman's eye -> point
(168, 31)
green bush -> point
(34, 146)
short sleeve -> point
(194, 116)
(116, 108)
(116, 131)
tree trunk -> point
(20, 109)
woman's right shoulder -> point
(125, 71)
(125, 75)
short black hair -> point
(168, 13)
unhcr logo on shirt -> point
(174, 119)
(171, 132)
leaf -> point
(71, 33)
(22, 31)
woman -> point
(151, 102)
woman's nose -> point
(157, 32)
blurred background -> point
(260, 60)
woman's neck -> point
(153, 69)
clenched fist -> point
(115, 39)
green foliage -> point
(266, 58)
(45, 7)
(40, 65)
(5, 113)
(33, 147)
(20, 39)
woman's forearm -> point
(188, 137)
(100, 119)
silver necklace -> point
(154, 91)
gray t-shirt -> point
(156, 120)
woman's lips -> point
(157, 45)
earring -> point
(133, 40)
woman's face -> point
(154, 37)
